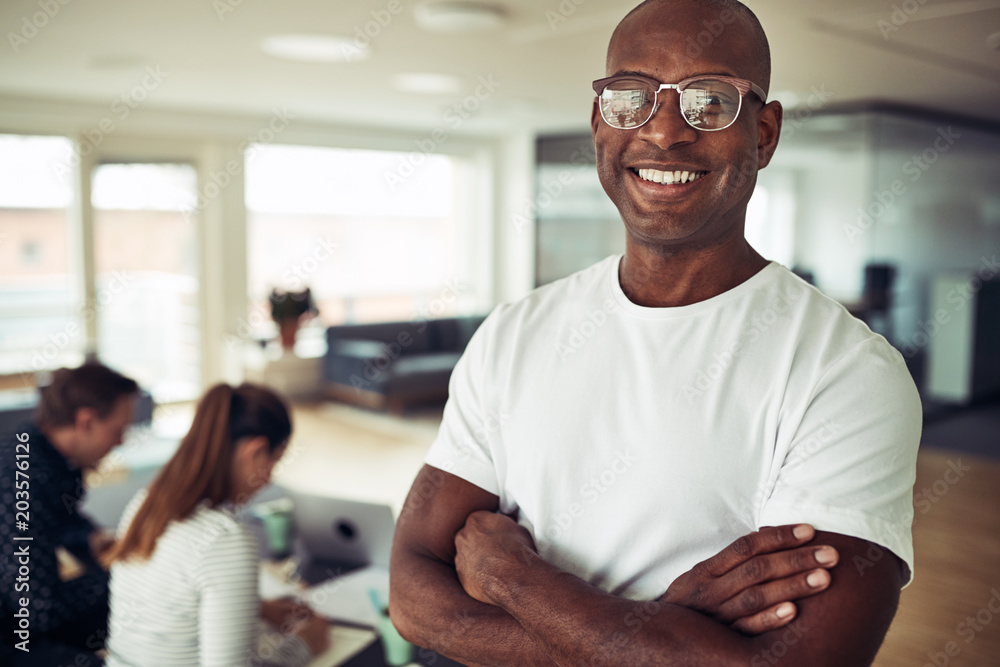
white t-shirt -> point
(195, 601)
(636, 442)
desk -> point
(274, 583)
(372, 657)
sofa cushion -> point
(453, 334)
(426, 374)
(412, 337)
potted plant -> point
(289, 310)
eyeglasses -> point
(707, 103)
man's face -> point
(96, 437)
(655, 42)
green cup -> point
(398, 651)
(277, 519)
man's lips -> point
(669, 176)
(675, 184)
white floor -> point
(352, 453)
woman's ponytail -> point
(199, 470)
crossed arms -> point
(468, 583)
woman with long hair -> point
(184, 571)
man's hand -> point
(486, 542)
(750, 585)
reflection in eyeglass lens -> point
(707, 103)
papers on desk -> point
(275, 581)
(345, 598)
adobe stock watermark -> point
(795, 118)
(900, 16)
(958, 298)
(589, 493)
(30, 26)
(586, 329)
(367, 33)
(452, 119)
(562, 12)
(793, 633)
(926, 498)
(876, 552)
(714, 28)
(641, 613)
(914, 168)
(375, 367)
(292, 280)
(805, 449)
(968, 629)
(751, 333)
(121, 108)
(552, 189)
(55, 343)
(219, 180)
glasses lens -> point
(627, 103)
(710, 105)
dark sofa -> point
(395, 364)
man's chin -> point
(660, 229)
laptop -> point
(334, 536)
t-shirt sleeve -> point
(851, 463)
(462, 446)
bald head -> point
(729, 20)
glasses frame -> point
(742, 85)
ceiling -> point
(540, 61)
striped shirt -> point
(195, 600)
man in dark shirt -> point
(52, 610)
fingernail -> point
(785, 610)
(826, 555)
(817, 579)
(802, 531)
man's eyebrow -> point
(623, 72)
(696, 74)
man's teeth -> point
(670, 177)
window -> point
(41, 321)
(372, 245)
(146, 261)
(770, 221)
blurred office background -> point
(165, 165)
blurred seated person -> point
(184, 571)
(60, 609)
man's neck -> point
(63, 440)
(666, 278)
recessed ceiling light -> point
(456, 16)
(315, 48)
(430, 84)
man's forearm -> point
(579, 624)
(431, 609)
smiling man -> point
(722, 472)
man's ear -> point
(84, 419)
(595, 118)
(768, 132)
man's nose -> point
(666, 127)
